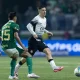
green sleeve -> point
(15, 27)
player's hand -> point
(50, 33)
(25, 49)
(35, 36)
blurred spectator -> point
(29, 14)
(72, 8)
(75, 20)
(61, 21)
(52, 3)
(38, 3)
(16, 9)
(55, 10)
(67, 35)
(63, 7)
(69, 21)
(61, 14)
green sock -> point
(29, 64)
(13, 63)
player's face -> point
(43, 11)
(15, 19)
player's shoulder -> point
(36, 18)
(14, 24)
(45, 18)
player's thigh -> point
(32, 50)
(42, 46)
(32, 47)
(12, 52)
(47, 51)
(20, 50)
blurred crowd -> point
(61, 14)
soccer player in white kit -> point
(37, 28)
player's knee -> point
(26, 54)
(14, 57)
(47, 51)
(23, 60)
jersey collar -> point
(11, 21)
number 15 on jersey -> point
(5, 35)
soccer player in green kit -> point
(9, 35)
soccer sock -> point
(52, 63)
(13, 63)
(29, 64)
(18, 66)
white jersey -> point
(37, 25)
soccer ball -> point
(77, 71)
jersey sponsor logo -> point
(42, 29)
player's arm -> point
(31, 27)
(48, 32)
(18, 40)
(16, 29)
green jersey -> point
(7, 34)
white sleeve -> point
(32, 25)
(30, 28)
(46, 31)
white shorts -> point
(12, 52)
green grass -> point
(43, 69)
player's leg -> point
(44, 48)
(31, 49)
(18, 65)
(21, 62)
(12, 53)
(51, 61)
(29, 64)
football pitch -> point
(42, 68)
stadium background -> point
(63, 19)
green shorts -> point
(20, 50)
(14, 52)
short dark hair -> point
(11, 15)
(41, 6)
